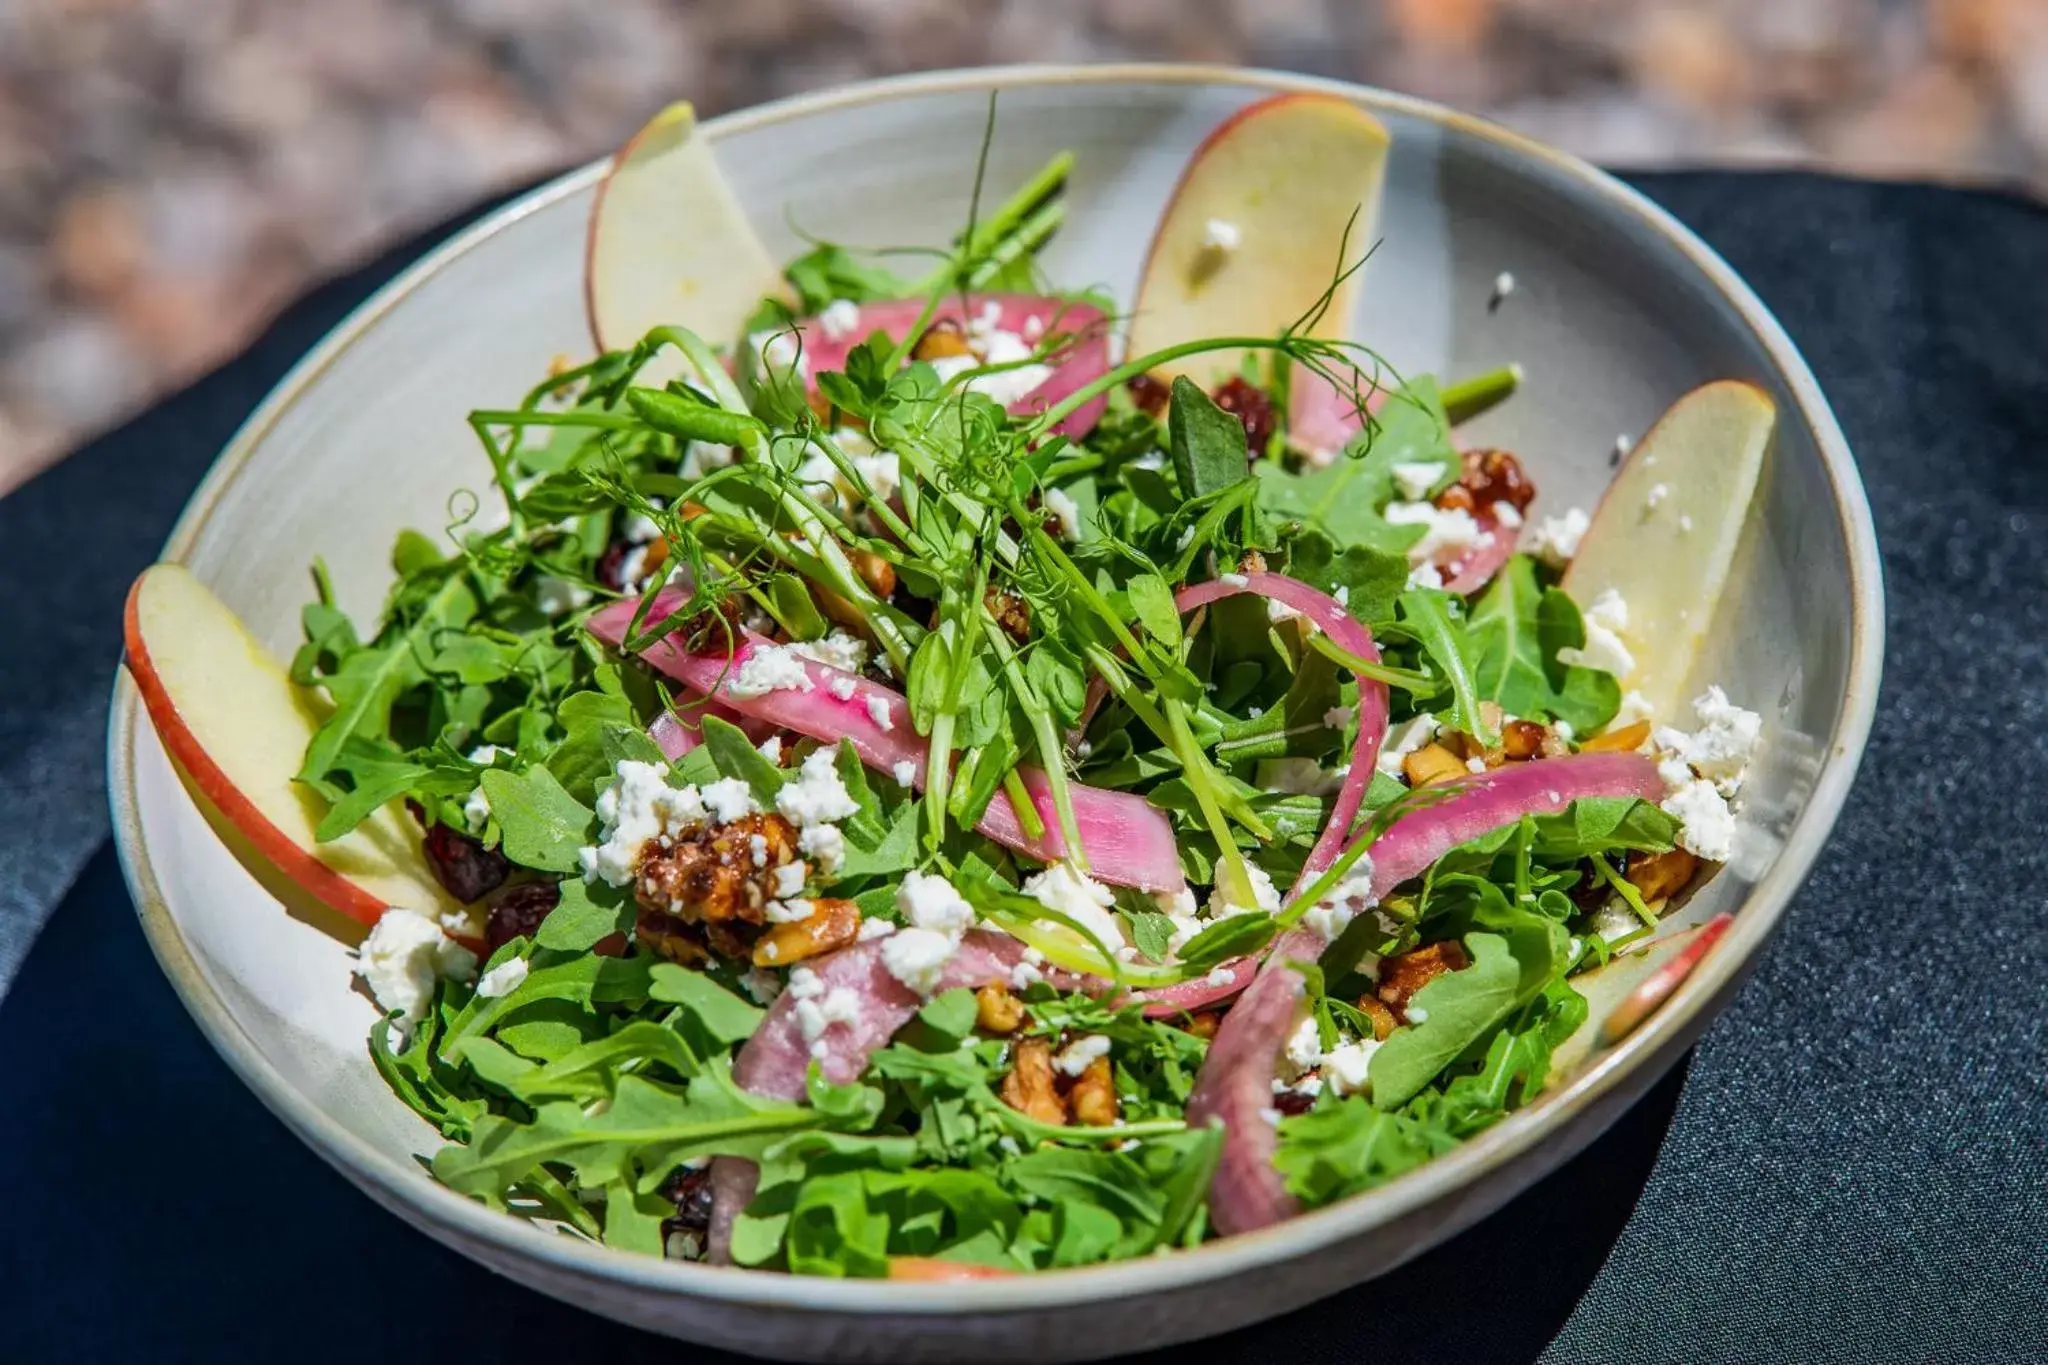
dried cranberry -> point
(1251, 406)
(691, 1193)
(610, 568)
(468, 869)
(1149, 394)
(518, 912)
(1592, 890)
(1292, 1102)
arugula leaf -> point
(723, 1015)
(1513, 637)
(1207, 443)
(1151, 931)
(585, 914)
(540, 824)
(1426, 612)
(1372, 579)
(1345, 497)
(827, 273)
(1460, 1007)
(736, 756)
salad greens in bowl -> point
(1092, 744)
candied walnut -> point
(721, 872)
(1010, 611)
(1432, 763)
(1150, 394)
(1488, 477)
(878, 573)
(832, 924)
(1375, 1009)
(517, 911)
(1522, 740)
(1406, 973)
(996, 1010)
(1205, 1024)
(1253, 562)
(1093, 1095)
(1663, 875)
(1625, 740)
(1029, 1087)
(1251, 406)
(942, 339)
(668, 937)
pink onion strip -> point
(1235, 1086)
(775, 1061)
(1080, 357)
(1129, 842)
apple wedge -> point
(1665, 532)
(669, 244)
(236, 728)
(1255, 230)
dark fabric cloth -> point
(1852, 1167)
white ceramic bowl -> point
(1618, 311)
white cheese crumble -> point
(825, 845)
(640, 529)
(843, 688)
(764, 986)
(1604, 650)
(1304, 1046)
(1416, 477)
(1220, 234)
(929, 901)
(555, 595)
(878, 711)
(1556, 539)
(729, 799)
(1339, 717)
(636, 807)
(484, 755)
(1345, 1066)
(1708, 825)
(818, 1010)
(1425, 576)
(400, 960)
(788, 879)
(1721, 749)
(1062, 505)
(871, 928)
(476, 811)
(1611, 922)
(1264, 893)
(904, 771)
(1297, 776)
(1347, 900)
(771, 748)
(1446, 531)
(1075, 1057)
(818, 796)
(1233, 580)
(1404, 739)
(633, 569)
(789, 911)
(839, 319)
(847, 653)
(769, 668)
(1506, 514)
(918, 957)
(502, 979)
(1077, 896)
(1278, 611)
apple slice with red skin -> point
(1656, 988)
(236, 729)
(932, 1269)
(1288, 175)
(1665, 532)
(669, 244)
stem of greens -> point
(1469, 397)
(1051, 752)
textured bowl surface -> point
(1617, 311)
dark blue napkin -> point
(1854, 1167)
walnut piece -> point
(832, 924)
(1403, 974)
(1029, 1088)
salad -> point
(960, 775)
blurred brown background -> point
(172, 171)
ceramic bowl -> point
(1618, 310)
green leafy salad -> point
(917, 784)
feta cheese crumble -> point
(818, 796)
(878, 711)
(1075, 1057)
(843, 688)
(1414, 478)
(904, 771)
(1708, 825)
(1347, 900)
(1425, 576)
(636, 807)
(839, 318)
(1339, 717)
(1278, 611)
(729, 799)
(847, 653)
(1079, 897)
(1506, 514)
(1403, 739)
(825, 845)
(1446, 531)
(556, 596)
(476, 811)
(1062, 505)
(1556, 539)
(1604, 650)
(929, 901)
(1345, 1066)
(404, 954)
(502, 979)
(918, 957)
(788, 879)
(1721, 749)
(769, 668)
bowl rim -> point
(456, 1219)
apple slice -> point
(669, 243)
(236, 728)
(1665, 532)
(1252, 236)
